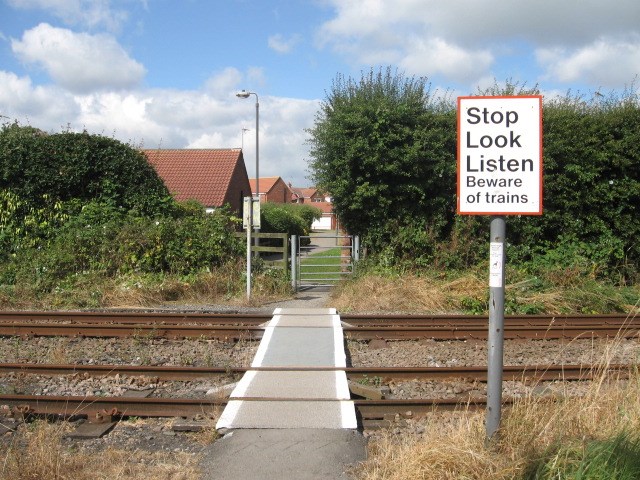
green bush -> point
(105, 240)
(385, 149)
(45, 179)
(290, 218)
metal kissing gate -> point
(322, 261)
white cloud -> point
(435, 55)
(45, 106)
(256, 76)
(88, 13)
(224, 82)
(166, 118)
(467, 38)
(605, 62)
(79, 62)
(283, 45)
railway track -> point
(233, 327)
(102, 406)
(174, 318)
(98, 407)
(479, 373)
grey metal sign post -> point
(499, 173)
(247, 223)
(496, 325)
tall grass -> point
(468, 292)
(588, 437)
(38, 452)
(223, 285)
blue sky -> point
(163, 73)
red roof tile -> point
(266, 184)
(204, 175)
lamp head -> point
(243, 94)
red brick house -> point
(272, 189)
(308, 195)
(213, 177)
(315, 198)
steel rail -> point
(479, 373)
(91, 406)
(220, 332)
(177, 318)
(234, 333)
(126, 318)
(482, 320)
(552, 332)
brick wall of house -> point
(279, 193)
(238, 189)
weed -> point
(37, 451)
(374, 381)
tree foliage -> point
(378, 147)
(289, 218)
(41, 168)
(385, 149)
(591, 183)
(45, 178)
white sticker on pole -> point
(495, 264)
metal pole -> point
(257, 240)
(249, 204)
(294, 259)
(496, 325)
(355, 253)
(257, 147)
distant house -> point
(315, 198)
(308, 195)
(272, 189)
(213, 177)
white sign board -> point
(250, 211)
(500, 155)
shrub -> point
(289, 218)
(46, 179)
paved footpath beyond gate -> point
(289, 423)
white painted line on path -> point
(340, 358)
(229, 414)
(243, 384)
(264, 343)
(348, 415)
(342, 386)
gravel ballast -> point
(157, 434)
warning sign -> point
(500, 155)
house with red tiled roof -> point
(308, 195)
(213, 177)
(272, 189)
(315, 198)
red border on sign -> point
(539, 212)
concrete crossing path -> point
(290, 398)
(286, 423)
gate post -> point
(356, 248)
(294, 260)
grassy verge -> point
(468, 292)
(38, 453)
(591, 437)
(225, 285)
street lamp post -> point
(245, 94)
